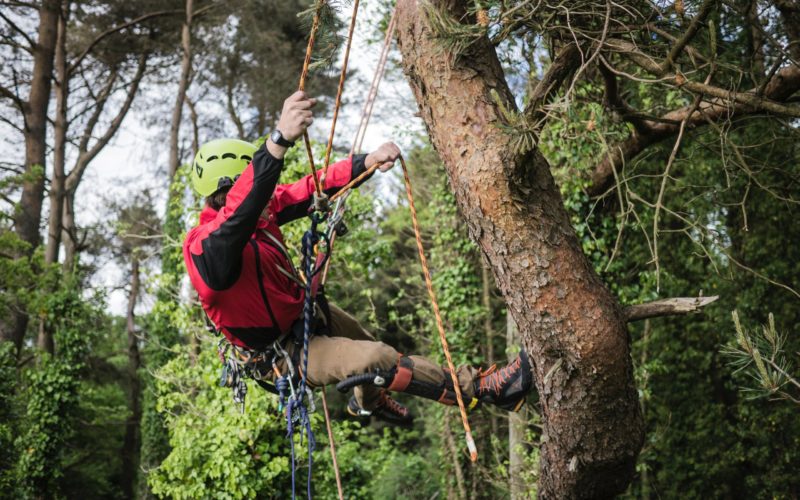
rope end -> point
(473, 450)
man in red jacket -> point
(250, 290)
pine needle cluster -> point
(761, 353)
(329, 38)
(453, 36)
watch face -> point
(276, 136)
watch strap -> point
(277, 138)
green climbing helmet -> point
(219, 159)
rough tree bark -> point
(571, 326)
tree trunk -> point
(27, 218)
(59, 144)
(455, 456)
(130, 446)
(70, 232)
(183, 84)
(58, 178)
(571, 326)
(517, 422)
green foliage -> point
(8, 415)
(763, 355)
(53, 396)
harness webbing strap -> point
(260, 279)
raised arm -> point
(216, 248)
(292, 201)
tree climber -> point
(252, 293)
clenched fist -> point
(296, 116)
(387, 154)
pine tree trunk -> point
(58, 180)
(571, 326)
(130, 445)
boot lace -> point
(391, 405)
(493, 379)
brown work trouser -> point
(352, 350)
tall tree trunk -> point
(58, 179)
(26, 220)
(183, 84)
(130, 445)
(517, 422)
(455, 456)
(571, 326)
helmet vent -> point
(226, 156)
(212, 158)
(246, 158)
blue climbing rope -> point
(296, 409)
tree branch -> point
(748, 98)
(564, 64)
(649, 131)
(694, 27)
(85, 158)
(99, 38)
(8, 94)
(100, 102)
(31, 43)
(667, 307)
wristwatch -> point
(278, 139)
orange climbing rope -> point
(473, 450)
(333, 445)
(302, 86)
(317, 181)
(339, 91)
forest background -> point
(108, 375)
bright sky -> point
(136, 158)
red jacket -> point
(233, 263)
